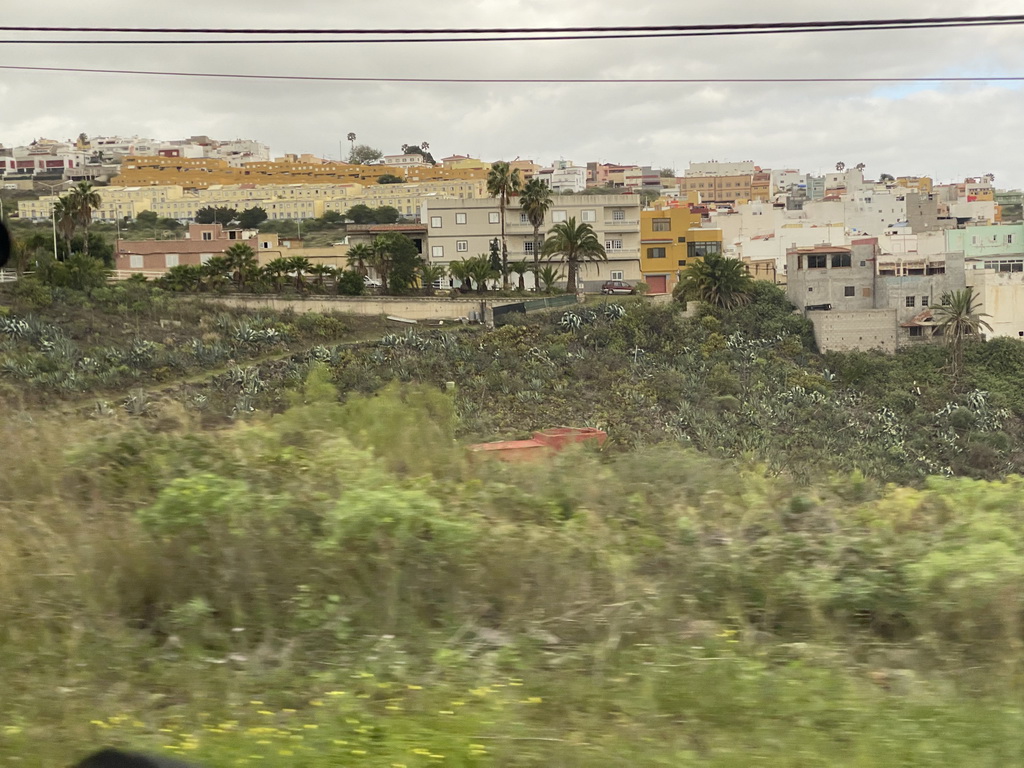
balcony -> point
(618, 224)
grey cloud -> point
(949, 131)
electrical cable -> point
(514, 39)
(530, 81)
(806, 25)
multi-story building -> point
(859, 298)
(202, 243)
(566, 177)
(641, 177)
(202, 173)
(718, 189)
(460, 229)
(716, 168)
(670, 240)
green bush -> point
(78, 272)
(350, 283)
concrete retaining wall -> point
(411, 308)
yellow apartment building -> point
(670, 240)
(203, 173)
(722, 189)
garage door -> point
(657, 283)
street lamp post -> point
(53, 212)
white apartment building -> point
(460, 229)
(716, 168)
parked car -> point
(617, 287)
(372, 282)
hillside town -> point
(864, 258)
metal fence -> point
(503, 313)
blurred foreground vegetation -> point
(339, 585)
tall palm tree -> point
(359, 257)
(243, 261)
(575, 244)
(960, 320)
(84, 198)
(535, 202)
(722, 282)
(64, 215)
(503, 182)
(380, 260)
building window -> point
(841, 260)
(558, 216)
(524, 219)
(493, 217)
(661, 225)
(205, 257)
(437, 251)
(462, 246)
(171, 260)
(618, 215)
(135, 261)
(682, 262)
(850, 291)
(911, 301)
(655, 253)
(207, 235)
(616, 275)
(698, 249)
(613, 245)
(460, 218)
(589, 216)
(924, 301)
(916, 331)
(946, 299)
(435, 222)
(817, 261)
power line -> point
(803, 25)
(503, 39)
(529, 81)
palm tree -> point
(959, 319)
(276, 270)
(535, 202)
(64, 215)
(547, 276)
(479, 270)
(575, 244)
(520, 268)
(430, 274)
(84, 198)
(184, 277)
(722, 282)
(299, 265)
(380, 260)
(216, 271)
(503, 182)
(359, 257)
(243, 261)
(321, 272)
(460, 271)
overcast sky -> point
(946, 131)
